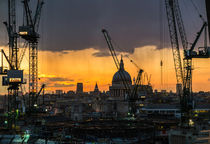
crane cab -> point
(13, 76)
(27, 33)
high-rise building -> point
(79, 88)
(58, 92)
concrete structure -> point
(189, 136)
(172, 109)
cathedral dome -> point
(117, 78)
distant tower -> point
(161, 74)
(79, 88)
(59, 92)
(96, 88)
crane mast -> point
(29, 32)
(174, 40)
(13, 58)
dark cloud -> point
(209, 79)
(77, 24)
(101, 54)
(64, 52)
(59, 79)
(105, 53)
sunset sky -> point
(72, 47)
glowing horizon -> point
(63, 70)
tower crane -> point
(29, 32)
(38, 94)
(183, 74)
(137, 81)
(132, 95)
(14, 76)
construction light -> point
(23, 33)
(17, 113)
(191, 123)
(141, 105)
(14, 80)
(143, 97)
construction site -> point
(130, 110)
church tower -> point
(96, 90)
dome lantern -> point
(121, 64)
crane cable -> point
(200, 15)
(127, 55)
(130, 59)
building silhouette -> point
(79, 88)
